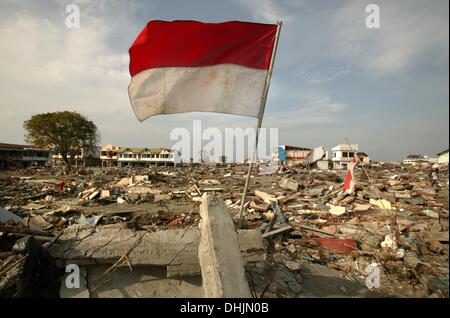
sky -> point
(385, 89)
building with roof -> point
(21, 156)
(136, 157)
(291, 155)
(83, 157)
(108, 155)
(343, 154)
(443, 156)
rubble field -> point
(134, 231)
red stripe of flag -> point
(194, 44)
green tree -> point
(66, 133)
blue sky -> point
(385, 89)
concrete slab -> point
(175, 249)
(221, 262)
(148, 281)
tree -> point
(66, 133)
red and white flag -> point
(188, 66)
(349, 184)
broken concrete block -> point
(248, 239)
(105, 194)
(414, 201)
(267, 170)
(369, 239)
(314, 192)
(431, 214)
(394, 182)
(411, 260)
(162, 197)
(176, 249)
(387, 196)
(6, 216)
(138, 179)
(436, 236)
(223, 273)
(433, 283)
(124, 182)
(143, 190)
(288, 184)
(267, 198)
(143, 281)
(292, 265)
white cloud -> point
(269, 10)
(318, 75)
(409, 30)
(47, 67)
(312, 109)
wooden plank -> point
(277, 231)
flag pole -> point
(260, 118)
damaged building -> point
(318, 159)
(291, 155)
(344, 153)
(14, 156)
(83, 157)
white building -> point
(145, 156)
(108, 155)
(343, 154)
(291, 155)
(83, 157)
(443, 156)
(420, 160)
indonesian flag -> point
(349, 184)
(187, 66)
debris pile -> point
(388, 236)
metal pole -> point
(260, 118)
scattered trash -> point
(336, 210)
(431, 214)
(382, 204)
(267, 170)
(303, 215)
